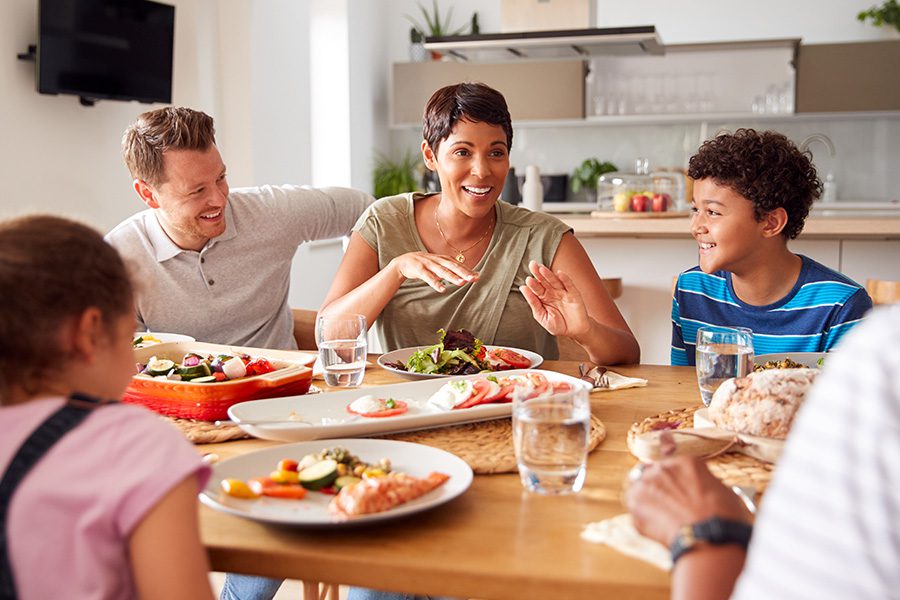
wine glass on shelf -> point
(722, 353)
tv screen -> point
(111, 49)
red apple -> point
(640, 203)
(661, 202)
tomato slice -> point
(509, 357)
(481, 388)
(399, 408)
(561, 386)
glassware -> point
(722, 353)
(615, 191)
(550, 436)
(342, 348)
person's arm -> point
(569, 299)
(680, 491)
(847, 317)
(361, 288)
(307, 213)
(167, 558)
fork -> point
(596, 376)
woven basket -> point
(487, 446)
(732, 468)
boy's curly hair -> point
(766, 168)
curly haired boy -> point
(752, 193)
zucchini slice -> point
(319, 475)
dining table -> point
(495, 541)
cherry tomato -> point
(286, 464)
(259, 366)
(399, 408)
(509, 357)
(238, 489)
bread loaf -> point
(762, 403)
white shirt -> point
(829, 524)
(235, 289)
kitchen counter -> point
(864, 225)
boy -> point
(752, 192)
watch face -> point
(714, 531)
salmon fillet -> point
(378, 494)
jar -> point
(641, 191)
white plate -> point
(807, 359)
(312, 511)
(328, 417)
(162, 337)
(403, 355)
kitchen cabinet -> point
(859, 76)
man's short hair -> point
(157, 131)
(764, 167)
(474, 102)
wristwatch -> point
(713, 531)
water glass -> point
(550, 435)
(722, 353)
(342, 348)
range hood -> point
(569, 43)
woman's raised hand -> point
(433, 269)
(555, 301)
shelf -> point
(571, 43)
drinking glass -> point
(722, 353)
(342, 348)
(550, 436)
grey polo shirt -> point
(234, 290)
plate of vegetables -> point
(196, 380)
(302, 484)
(456, 353)
(789, 360)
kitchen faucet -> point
(829, 187)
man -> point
(211, 262)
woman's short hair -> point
(156, 131)
(474, 102)
(51, 269)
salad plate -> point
(142, 339)
(312, 511)
(807, 359)
(323, 416)
(403, 354)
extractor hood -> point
(570, 43)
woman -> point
(460, 259)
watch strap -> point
(715, 531)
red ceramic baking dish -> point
(211, 401)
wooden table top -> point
(496, 541)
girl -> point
(97, 500)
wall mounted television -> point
(106, 49)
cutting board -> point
(669, 214)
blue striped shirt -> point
(822, 306)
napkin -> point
(617, 381)
(619, 533)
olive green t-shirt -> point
(492, 308)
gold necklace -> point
(460, 254)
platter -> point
(149, 338)
(403, 354)
(807, 359)
(322, 416)
(312, 511)
(210, 401)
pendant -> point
(460, 258)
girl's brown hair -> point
(51, 269)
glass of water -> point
(342, 348)
(722, 353)
(550, 435)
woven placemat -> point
(206, 432)
(732, 468)
(486, 446)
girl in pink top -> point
(110, 510)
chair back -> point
(883, 291)
(305, 328)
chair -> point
(883, 291)
(305, 328)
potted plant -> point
(436, 25)
(886, 14)
(585, 176)
(391, 177)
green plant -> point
(586, 174)
(415, 36)
(435, 25)
(886, 14)
(394, 177)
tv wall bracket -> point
(31, 56)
